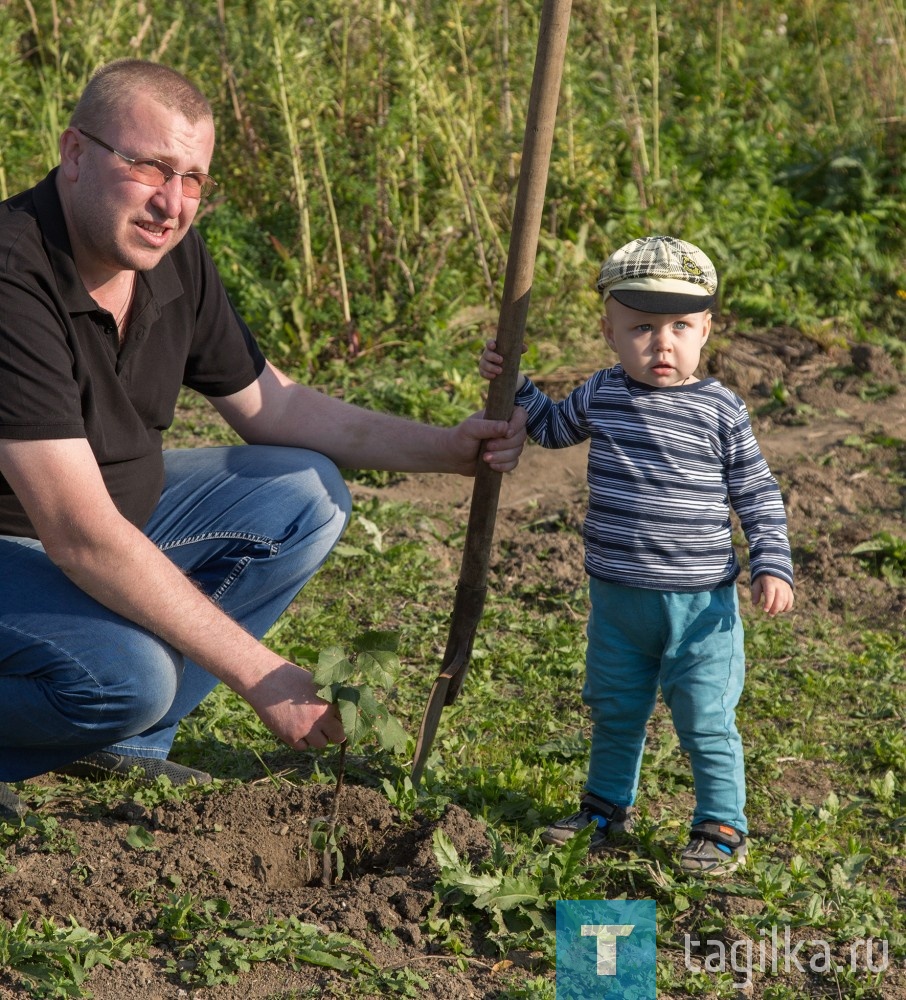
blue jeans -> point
(692, 646)
(249, 524)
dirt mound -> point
(250, 846)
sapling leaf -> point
(390, 733)
(377, 659)
(376, 662)
(380, 668)
(347, 701)
(377, 641)
(333, 667)
(358, 712)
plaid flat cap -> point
(659, 274)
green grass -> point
(826, 707)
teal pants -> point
(689, 645)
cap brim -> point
(662, 302)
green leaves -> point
(333, 667)
(517, 893)
(140, 839)
(56, 960)
(886, 556)
(212, 947)
(375, 665)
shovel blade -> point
(467, 612)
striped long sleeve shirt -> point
(665, 466)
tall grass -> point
(367, 154)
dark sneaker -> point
(611, 821)
(104, 764)
(12, 808)
(714, 849)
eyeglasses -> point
(154, 173)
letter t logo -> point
(607, 935)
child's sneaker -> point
(611, 820)
(714, 849)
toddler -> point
(670, 454)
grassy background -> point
(368, 153)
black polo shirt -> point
(63, 373)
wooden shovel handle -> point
(517, 288)
(536, 150)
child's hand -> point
(490, 364)
(777, 594)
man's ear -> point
(72, 146)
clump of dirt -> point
(831, 422)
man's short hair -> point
(114, 87)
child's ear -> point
(607, 332)
(706, 329)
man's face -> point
(656, 349)
(116, 222)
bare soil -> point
(832, 424)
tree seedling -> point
(349, 684)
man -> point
(132, 581)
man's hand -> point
(503, 442)
(777, 594)
(287, 703)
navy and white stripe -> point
(665, 466)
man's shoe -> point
(714, 849)
(105, 764)
(12, 808)
(611, 821)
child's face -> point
(656, 349)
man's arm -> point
(59, 484)
(276, 410)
